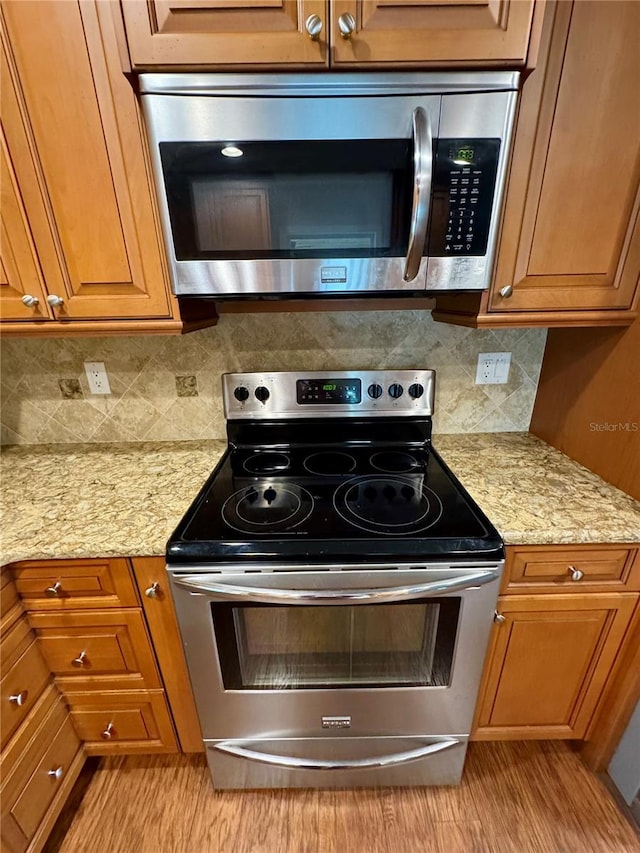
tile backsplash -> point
(168, 388)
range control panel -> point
(463, 188)
(331, 393)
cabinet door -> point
(218, 33)
(432, 31)
(571, 234)
(90, 211)
(548, 663)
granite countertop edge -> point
(124, 500)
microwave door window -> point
(289, 199)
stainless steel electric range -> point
(335, 586)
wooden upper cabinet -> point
(83, 174)
(443, 32)
(224, 33)
(571, 233)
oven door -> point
(357, 652)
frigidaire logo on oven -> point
(336, 722)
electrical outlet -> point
(493, 368)
(97, 377)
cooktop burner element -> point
(328, 463)
(394, 462)
(394, 506)
(321, 471)
(267, 508)
(266, 463)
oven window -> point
(292, 199)
(382, 645)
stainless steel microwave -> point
(327, 184)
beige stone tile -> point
(53, 432)
(157, 385)
(181, 354)
(41, 388)
(519, 405)
(22, 417)
(78, 417)
(8, 436)
(495, 421)
(16, 356)
(108, 431)
(104, 403)
(464, 402)
(134, 414)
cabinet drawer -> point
(111, 643)
(24, 677)
(8, 594)
(123, 721)
(571, 569)
(48, 743)
(75, 584)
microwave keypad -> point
(463, 190)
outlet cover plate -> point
(97, 377)
(493, 368)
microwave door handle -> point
(380, 595)
(423, 171)
(242, 749)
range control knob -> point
(395, 390)
(416, 391)
(241, 393)
(374, 390)
(262, 393)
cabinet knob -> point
(19, 698)
(346, 25)
(313, 26)
(55, 301)
(108, 733)
(54, 591)
(56, 774)
(506, 291)
(498, 618)
(80, 661)
(153, 591)
(576, 574)
(30, 301)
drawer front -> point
(75, 584)
(20, 687)
(36, 797)
(45, 743)
(571, 569)
(123, 722)
(8, 593)
(79, 646)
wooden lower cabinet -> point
(548, 662)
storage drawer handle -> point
(81, 660)
(20, 698)
(54, 591)
(498, 618)
(576, 574)
(242, 749)
(56, 774)
(153, 591)
(108, 733)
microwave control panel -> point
(464, 181)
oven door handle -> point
(263, 595)
(242, 749)
(423, 170)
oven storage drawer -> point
(360, 761)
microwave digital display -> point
(341, 391)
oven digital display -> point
(341, 391)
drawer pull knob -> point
(55, 301)
(108, 733)
(54, 591)
(29, 301)
(576, 574)
(498, 618)
(20, 698)
(153, 591)
(313, 26)
(81, 660)
(56, 774)
(506, 291)
(346, 25)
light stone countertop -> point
(92, 500)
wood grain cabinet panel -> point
(210, 33)
(24, 676)
(571, 234)
(548, 663)
(83, 176)
(75, 584)
(451, 32)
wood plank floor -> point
(514, 798)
